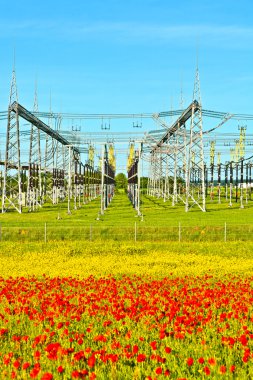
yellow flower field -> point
(94, 258)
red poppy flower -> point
(159, 371)
(34, 373)
(26, 365)
(207, 370)
(47, 376)
(60, 369)
(190, 362)
(91, 361)
(141, 358)
(16, 364)
(212, 361)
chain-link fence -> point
(47, 232)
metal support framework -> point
(178, 172)
(134, 180)
(25, 185)
(179, 156)
(49, 167)
(31, 118)
(12, 186)
(34, 181)
(107, 177)
(168, 163)
(195, 182)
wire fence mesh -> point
(137, 232)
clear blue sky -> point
(127, 56)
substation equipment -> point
(54, 171)
(182, 162)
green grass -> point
(160, 221)
(162, 213)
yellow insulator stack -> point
(212, 152)
(91, 155)
(111, 157)
(242, 142)
(130, 159)
(233, 154)
(218, 158)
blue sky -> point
(112, 56)
(127, 56)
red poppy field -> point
(127, 327)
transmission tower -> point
(212, 156)
(175, 190)
(50, 157)
(12, 186)
(219, 176)
(92, 186)
(195, 167)
(58, 173)
(34, 166)
(242, 142)
(181, 144)
(241, 157)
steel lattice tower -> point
(50, 150)
(34, 185)
(58, 168)
(12, 186)
(195, 183)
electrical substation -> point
(188, 156)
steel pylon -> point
(34, 183)
(195, 183)
(12, 186)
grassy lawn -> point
(160, 222)
(155, 212)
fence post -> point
(45, 233)
(90, 232)
(225, 232)
(135, 231)
(179, 231)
